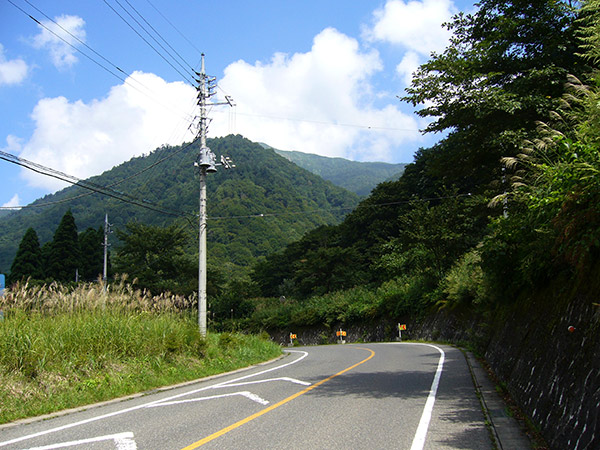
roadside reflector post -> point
(401, 327)
(341, 334)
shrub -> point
(465, 282)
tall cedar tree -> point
(64, 257)
(28, 261)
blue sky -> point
(313, 76)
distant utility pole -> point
(206, 162)
(104, 270)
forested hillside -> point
(357, 177)
(254, 209)
(505, 72)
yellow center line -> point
(272, 407)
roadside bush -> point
(465, 283)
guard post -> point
(401, 327)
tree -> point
(433, 236)
(156, 257)
(64, 257)
(92, 253)
(556, 189)
(28, 261)
(504, 69)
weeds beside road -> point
(61, 348)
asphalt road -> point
(360, 396)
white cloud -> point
(409, 64)
(13, 71)
(85, 139)
(414, 25)
(61, 43)
(318, 102)
(13, 202)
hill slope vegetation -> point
(255, 209)
(357, 177)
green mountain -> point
(357, 177)
(261, 205)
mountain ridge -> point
(356, 176)
(259, 207)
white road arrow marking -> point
(123, 441)
(249, 395)
(291, 380)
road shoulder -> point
(505, 429)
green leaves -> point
(504, 70)
(28, 261)
(64, 257)
(155, 256)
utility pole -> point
(206, 162)
(105, 268)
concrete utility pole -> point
(206, 162)
(105, 268)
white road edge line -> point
(419, 440)
(123, 441)
(145, 405)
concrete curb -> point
(505, 430)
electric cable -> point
(102, 66)
(174, 27)
(126, 198)
(184, 77)
(323, 122)
(306, 212)
(181, 58)
(145, 169)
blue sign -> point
(1, 284)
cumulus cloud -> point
(60, 38)
(85, 139)
(11, 71)
(409, 64)
(13, 202)
(321, 101)
(414, 25)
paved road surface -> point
(360, 396)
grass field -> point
(65, 347)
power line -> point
(186, 78)
(181, 58)
(121, 196)
(324, 122)
(174, 27)
(68, 32)
(318, 210)
(99, 64)
(145, 169)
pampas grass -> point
(62, 347)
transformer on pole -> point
(206, 162)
